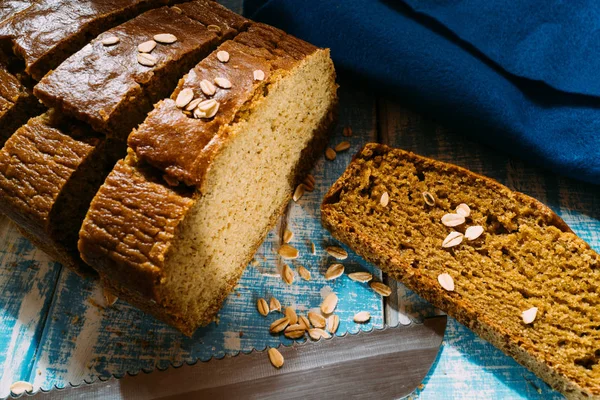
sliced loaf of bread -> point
(506, 266)
(176, 251)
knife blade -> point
(387, 363)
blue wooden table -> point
(55, 328)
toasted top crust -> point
(9, 8)
(167, 129)
(96, 83)
(212, 13)
(47, 28)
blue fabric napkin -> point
(520, 75)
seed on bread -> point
(275, 357)
(317, 320)
(287, 275)
(473, 232)
(165, 38)
(333, 322)
(463, 210)
(262, 307)
(446, 281)
(110, 40)
(429, 199)
(295, 331)
(318, 333)
(290, 313)
(453, 220)
(147, 60)
(330, 154)
(223, 56)
(304, 273)
(147, 47)
(362, 317)
(259, 75)
(342, 146)
(206, 109)
(184, 98)
(287, 251)
(361, 276)
(299, 192)
(223, 83)
(274, 304)
(214, 28)
(381, 288)
(279, 325)
(328, 305)
(193, 104)
(207, 87)
(453, 239)
(529, 315)
(385, 199)
(337, 252)
(334, 271)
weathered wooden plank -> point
(27, 280)
(468, 367)
(84, 341)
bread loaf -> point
(174, 250)
(511, 270)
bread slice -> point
(526, 257)
(49, 171)
(176, 252)
(44, 33)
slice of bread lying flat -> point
(493, 280)
(175, 223)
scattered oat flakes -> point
(299, 192)
(362, 317)
(259, 75)
(381, 288)
(287, 251)
(304, 322)
(309, 182)
(347, 132)
(223, 56)
(223, 83)
(334, 271)
(330, 154)
(317, 320)
(290, 313)
(20, 387)
(329, 304)
(288, 236)
(313, 248)
(262, 307)
(295, 331)
(453, 239)
(207, 87)
(385, 199)
(473, 232)
(279, 325)
(109, 298)
(147, 60)
(274, 304)
(529, 315)
(318, 333)
(361, 276)
(287, 274)
(110, 40)
(165, 38)
(333, 322)
(429, 199)
(184, 97)
(337, 252)
(343, 146)
(304, 273)
(463, 210)
(452, 220)
(147, 47)
(446, 282)
(214, 28)
(275, 357)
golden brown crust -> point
(167, 129)
(353, 233)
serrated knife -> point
(384, 363)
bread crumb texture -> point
(526, 257)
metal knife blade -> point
(388, 363)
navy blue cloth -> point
(522, 76)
